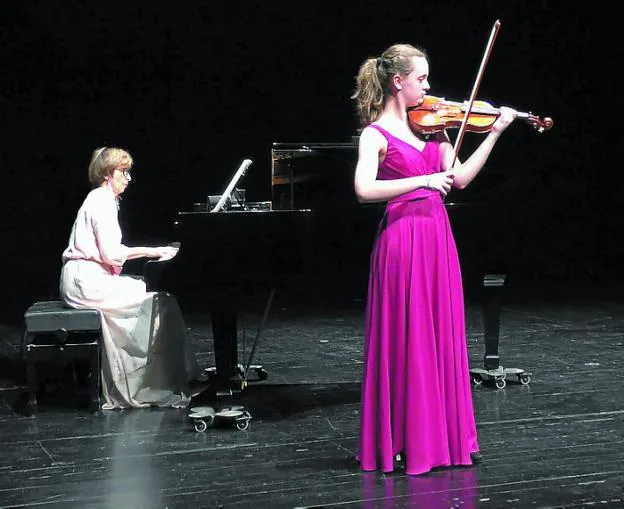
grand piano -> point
(223, 258)
(312, 224)
(319, 176)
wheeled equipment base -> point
(204, 417)
(499, 376)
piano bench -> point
(60, 334)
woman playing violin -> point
(416, 398)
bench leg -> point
(26, 340)
(31, 381)
(95, 380)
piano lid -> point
(308, 162)
(285, 150)
(313, 175)
(312, 146)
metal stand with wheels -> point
(204, 417)
(492, 370)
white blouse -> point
(96, 234)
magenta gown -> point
(416, 394)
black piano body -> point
(315, 227)
(320, 176)
(223, 257)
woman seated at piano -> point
(146, 361)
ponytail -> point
(369, 93)
(375, 76)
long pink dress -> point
(416, 394)
(146, 360)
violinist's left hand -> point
(506, 117)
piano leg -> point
(228, 375)
(492, 369)
(492, 286)
(224, 331)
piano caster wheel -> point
(501, 383)
(242, 423)
(477, 380)
(205, 417)
(201, 426)
(524, 379)
(240, 417)
(202, 417)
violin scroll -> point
(539, 124)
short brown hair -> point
(105, 160)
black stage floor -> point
(557, 442)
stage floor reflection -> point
(557, 442)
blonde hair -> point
(104, 161)
(375, 77)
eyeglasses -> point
(125, 172)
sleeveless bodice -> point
(404, 160)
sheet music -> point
(228, 190)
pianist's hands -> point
(165, 252)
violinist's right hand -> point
(442, 181)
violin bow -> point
(475, 89)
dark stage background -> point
(191, 88)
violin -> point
(436, 114)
